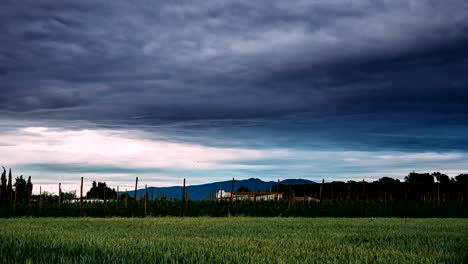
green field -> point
(233, 240)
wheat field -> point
(233, 240)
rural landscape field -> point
(233, 240)
(238, 131)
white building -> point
(245, 196)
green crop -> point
(233, 240)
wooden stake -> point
(146, 197)
(363, 189)
(29, 194)
(255, 195)
(277, 191)
(126, 198)
(183, 191)
(81, 194)
(40, 200)
(232, 189)
(136, 186)
(321, 190)
(60, 196)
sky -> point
(210, 90)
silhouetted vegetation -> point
(101, 191)
(243, 189)
(419, 195)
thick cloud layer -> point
(308, 74)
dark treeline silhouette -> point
(101, 191)
(21, 193)
(415, 187)
(418, 195)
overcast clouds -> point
(304, 78)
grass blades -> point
(233, 240)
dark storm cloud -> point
(350, 72)
(86, 168)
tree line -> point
(416, 186)
(418, 195)
(20, 194)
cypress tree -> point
(3, 192)
(9, 190)
(29, 187)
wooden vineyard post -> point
(363, 195)
(135, 193)
(232, 189)
(59, 204)
(29, 193)
(321, 190)
(290, 196)
(40, 200)
(231, 197)
(255, 194)
(126, 198)
(183, 198)
(81, 194)
(363, 189)
(183, 191)
(277, 191)
(146, 197)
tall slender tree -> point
(29, 188)
(20, 188)
(4, 183)
(9, 190)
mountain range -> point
(208, 190)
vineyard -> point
(233, 240)
(285, 208)
(418, 196)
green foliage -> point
(100, 190)
(20, 188)
(48, 206)
(68, 195)
(29, 187)
(3, 191)
(9, 190)
(233, 240)
(420, 178)
(441, 178)
(462, 179)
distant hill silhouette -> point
(204, 191)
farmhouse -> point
(246, 196)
